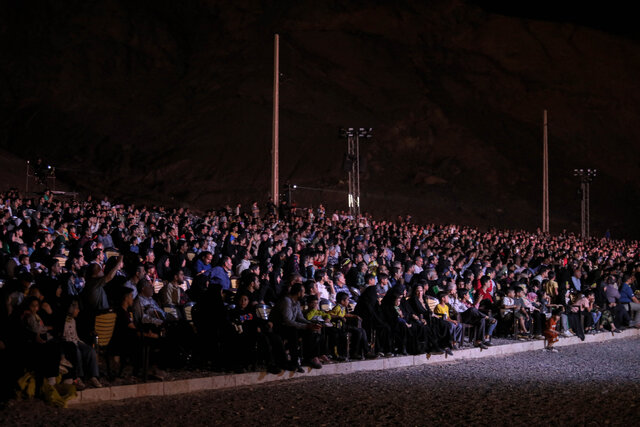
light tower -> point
(586, 177)
(353, 136)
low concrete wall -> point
(167, 388)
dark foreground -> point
(592, 384)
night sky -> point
(164, 101)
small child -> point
(550, 333)
(328, 332)
(455, 328)
(315, 314)
(339, 315)
(86, 355)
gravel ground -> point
(591, 384)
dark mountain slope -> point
(168, 102)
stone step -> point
(217, 382)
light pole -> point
(545, 175)
(353, 136)
(275, 135)
(586, 177)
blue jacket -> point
(219, 275)
(201, 266)
(626, 294)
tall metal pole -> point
(586, 210)
(352, 174)
(26, 185)
(583, 210)
(275, 187)
(357, 174)
(545, 177)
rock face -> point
(171, 102)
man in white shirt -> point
(324, 286)
(244, 264)
(417, 267)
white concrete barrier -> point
(217, 382)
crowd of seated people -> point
(235, 289)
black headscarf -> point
(367, 302)
(389, 304)
(164, 272)
(369, 309)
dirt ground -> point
(595, 384)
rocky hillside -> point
(171, 102)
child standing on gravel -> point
(550, 333)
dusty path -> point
(594, 384)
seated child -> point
(442, 310)
(508, 306)
(359, 343)
(328, 333)
(314, 313)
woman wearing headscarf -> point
(420, 318)
(400, 327)
(437, 332)
(368, 308)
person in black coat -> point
(400, 327)
(437, 335)
(368, 308)
(214, 327)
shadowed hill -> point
(171, 102)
